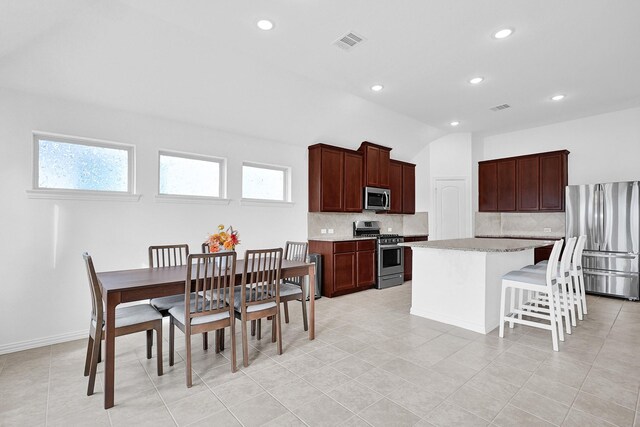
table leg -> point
(312, 301)
(110, 350)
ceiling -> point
(205, 61)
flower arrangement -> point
(223, 239)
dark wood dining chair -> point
(129, 320)
(206, 309)
(167, 256)
(258, 296)
(292, 288)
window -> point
(69, 163)
(190, 175)
(265, 182)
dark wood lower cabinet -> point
(348, 266)
(408, 255)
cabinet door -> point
(395, 184)
(366, 268)
(353, 182)
(487, 187)
(383, 168)
(506, 177)
(344, 271)
(553, 179)
(408, 189)
(332, 181)
(372, 157)
(528, 176)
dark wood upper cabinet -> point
(553, 179)
(395, 184)
(376, 164)
(528, 188)
(530, 183)
(353, 164)
(488, 186)
(335, 179)
(408, 188)
(506, 176)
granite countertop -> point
(481, 245)
(547, 236)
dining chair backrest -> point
(576, 261)
(168, 255)
(205, 248)
(94, 286)
(295, 251)
(210, 283)
(552, 267)
(261, 277)
(567, 254)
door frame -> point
(466, 200)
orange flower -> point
(227, 239)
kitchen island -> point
(458, 281)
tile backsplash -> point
(520, 224)
(342, 223)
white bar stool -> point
(521, 281)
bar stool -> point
(563, 276)
(521, 281)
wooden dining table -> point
(147, 283)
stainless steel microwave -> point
(377, 199)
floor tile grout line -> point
(46, 412)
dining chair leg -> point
(171, 340)
(232, 327)
(279, 328)
(187, 343)
(222, 339)
(259, 328)
(94, 362)
(273, 328)
(99, 351)
(245, 345)
(286, 312)
(87, 362)
(253, 328)
(159, 347)
(205, 340)
(217, 340)
(149, 342)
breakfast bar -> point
(458, 281)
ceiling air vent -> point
(500, 107)
(349, 41)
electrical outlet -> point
(547, 230)
(330, 231)
(323, 231)
(389, 229)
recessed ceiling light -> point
(265, 24)
(377, 88)
(558, 97)
(476, 80)
(503, 33)
(454, 123)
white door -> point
(451, 208)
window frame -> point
(222, 168)
(286, 183)
(71, 193)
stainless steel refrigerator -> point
(609, 214)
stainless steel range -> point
(390, 256)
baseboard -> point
(42, 342)
(449, 320)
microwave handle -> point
(386, 200)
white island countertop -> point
(481, 245)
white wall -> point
(603, 148)
(44, 276)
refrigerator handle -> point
(596, 212)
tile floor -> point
(371, 364)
